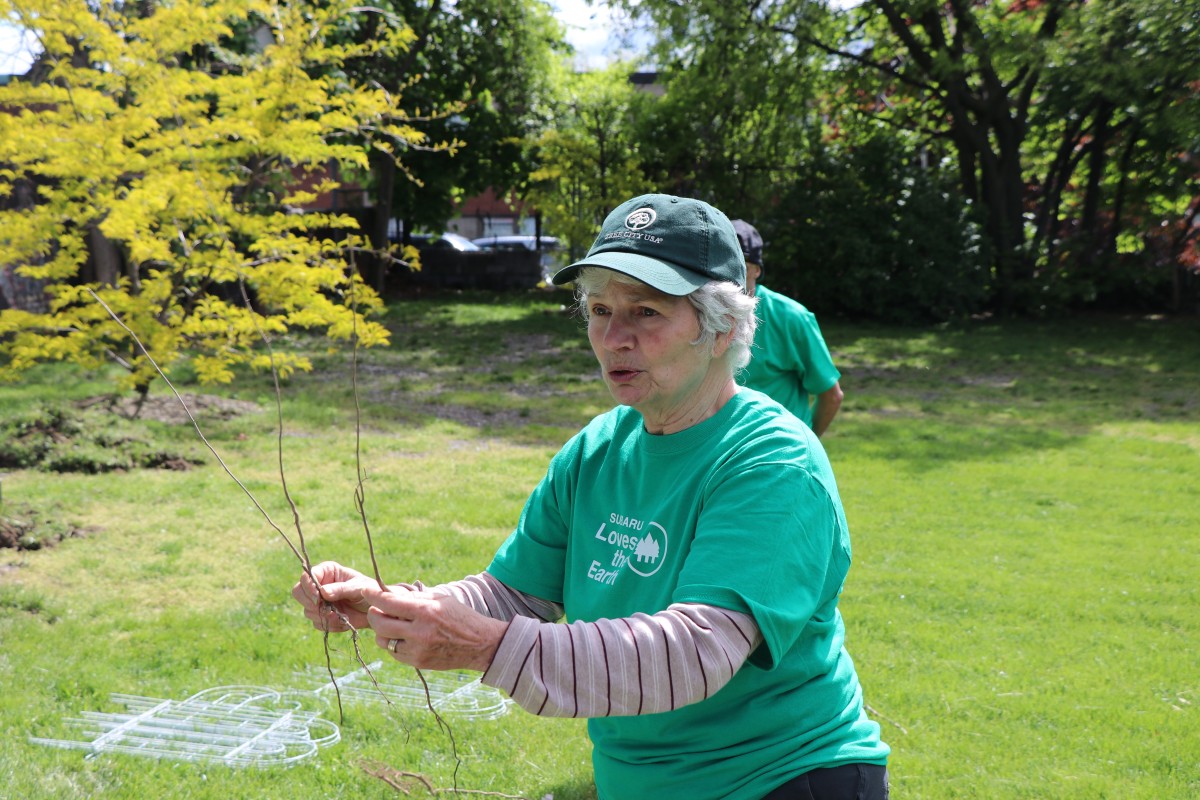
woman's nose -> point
(617, 334)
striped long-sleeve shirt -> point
(643, 664)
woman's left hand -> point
(431, 631)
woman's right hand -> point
(338, 605)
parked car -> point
(443, 241)
(517, 242)
(552, 259)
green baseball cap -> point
(674, 244)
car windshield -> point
(456, 241)
(443, 241)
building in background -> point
(487, 214)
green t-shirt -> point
(789, 362)
(741, 512)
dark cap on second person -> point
(675, 244)
(750, 241)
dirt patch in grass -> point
(86, 439)
(23, 528)
(168, 409)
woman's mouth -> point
(622, 375)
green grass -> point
(1023, 500)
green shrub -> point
(869, 232)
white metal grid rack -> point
(255, 726)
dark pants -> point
(847, 782)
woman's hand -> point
(339, 605)
(431, 631)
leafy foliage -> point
(170, 149)
(1071, 128)
(734, 124)
(858, 219)
(480, 74)
(591, 160)
(866, 232)
(1045, 115)
(1122, 106)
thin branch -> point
(360, 503)
(279, 417)
(304, 559)
(196, 425)
(402, 781)
(301, 557)
(872, 711)
(360, 493)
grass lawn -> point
(1024, 501)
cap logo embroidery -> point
(641, 219)
(635, 223)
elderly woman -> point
(693, 537)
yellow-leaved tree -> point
(160, 153)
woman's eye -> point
(599, 311)
(648, 312)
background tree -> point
(478, 73)
(867, 229)
(1116, 142)
(171, 159)
(740, 109)
(856, 218)
(1012, 96)
(592, 159)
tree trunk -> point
(993, 176)
(385, 187)
(18, 291)
(106, 259)
(22, 293)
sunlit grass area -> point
(1023, 501)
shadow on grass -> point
(919, 445)
(1065, 374)
(923, 397)
(518, 366)
(512, 366)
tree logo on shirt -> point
(647, 549)
(647, 555)
(640, 546)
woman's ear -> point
(722, 341)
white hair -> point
(722, 306)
